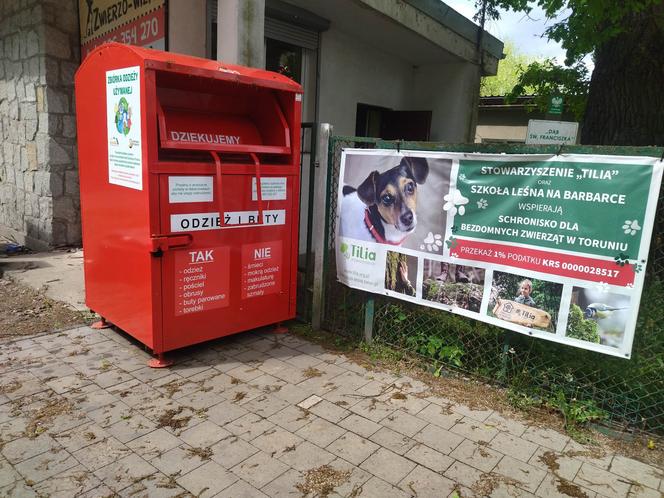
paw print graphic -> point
(631, 227)
(482, 204)
(462, 177)
(637, 267)
(621, 259)
(455, 202)
(432, 242)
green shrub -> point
(580, 328)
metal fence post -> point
(319, 215)
(504, 360)
(368, 319)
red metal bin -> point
(189, 174)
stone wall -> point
(39, 53)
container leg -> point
(280, 329)
(160, 362)
(100, 324)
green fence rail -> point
(629, 392)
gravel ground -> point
(25, 311)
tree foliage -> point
(509, 70)
(621, 103)
(546, 78)
(580, 26)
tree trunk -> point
(392, 276)
(626, 101)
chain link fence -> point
(629, 393)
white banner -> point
(549, 246)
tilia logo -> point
(360, 253)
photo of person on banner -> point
(529, 302)
(394, 199)
(525, 288)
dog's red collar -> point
(374, 232)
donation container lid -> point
(196, 66)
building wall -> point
(240, 32)
(353, 72)
(187, 27)
(504, 123)
(39, 53)
(500, 133)
(450, 91)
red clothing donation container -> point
(189, 174)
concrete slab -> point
(59, 274)
(68, 414)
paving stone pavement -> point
(255, 415)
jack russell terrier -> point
(383, 208)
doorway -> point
(381, 122)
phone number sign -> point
(141, 23)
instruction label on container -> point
(189, 189)
(272, 189)
(192, 222)
(123, 123)
(202, 280)
(261, 269)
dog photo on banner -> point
(394, 200)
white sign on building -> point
(541, 132)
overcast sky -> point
(524, 31)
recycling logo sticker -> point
(123, 116)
